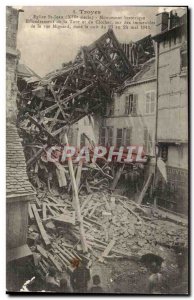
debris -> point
(40, 226)
(142, 194)
(107, 250)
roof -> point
(25, 71)
(148, 71)
(17, 182)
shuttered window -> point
(109, 136)
(148, 143)
(131, 104)
(150, 102)
(119, 137)
(102, 140)
(127, 132)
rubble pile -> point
(115, 228)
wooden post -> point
(144, 190)
(117, 177)
(76, 201)
(78, 175)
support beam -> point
(76, 202)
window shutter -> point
(135, 102)
(126, 104)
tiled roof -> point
(148, 71)
(17, 182)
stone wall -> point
(12, 56)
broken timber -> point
(40, 226)
(107, 250)
(76, 201)
(143, 192)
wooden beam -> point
(42, 251)
(117, 177)
(76, 202)
(36, 156)
(144, 190)
(89, 197)
(107, 250)
(40, 226)
(44, 216)
(78, 175)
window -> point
(148, 144)
(183, 60)
(164, 152)
(131, 104)
(119, 137)
(127, 132)
(103, 136)
(150, 102)
(109, 136)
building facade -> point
(130, 119)
(172, 125)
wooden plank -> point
(117, 177)
(89, 207)
(64, 259)
(30, 213)
(53, 199)
(88, 187)
(93, 209)
(42, 251)
(124, 254)
(92, 221)
(53, 213)
(40, 226)
(47, 133)
(44, 216)
(107, 250)
(103, 173)
(57, 100)
(36, 156)
(89, 197)
(144, 190)
(68, 257)
(78, 175)
(55, 262)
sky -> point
(44, 50)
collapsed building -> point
(83, 211)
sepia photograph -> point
(97, 150)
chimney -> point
(174, 20)
(162, 22)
